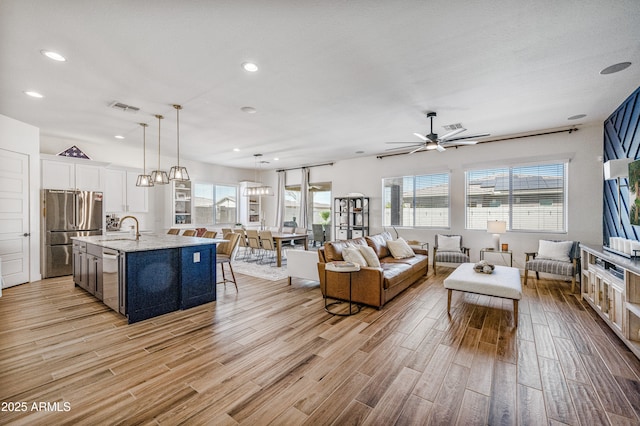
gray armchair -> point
(449, 254)
(569, 268)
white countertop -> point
(147, 242)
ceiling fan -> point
(432, 141)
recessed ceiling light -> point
(53, 55)
(119, 137)
(577, 117)
(33, 94)
(249, 66)
(236, 149)
(275, 158)
(248, 110)
(615, 68)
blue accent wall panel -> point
(621, 140)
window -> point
(416, 201)
(528, 198)
(215, 204)
(319, 201)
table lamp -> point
(496, 227)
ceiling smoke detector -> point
(123, 107)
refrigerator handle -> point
(76, 209)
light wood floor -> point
(271, 355)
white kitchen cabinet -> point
(121, 194)
(68, 174)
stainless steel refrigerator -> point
(66, 214)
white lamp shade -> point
(496, 226)
(618, 168)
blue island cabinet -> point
(198, 275)
(165, 280)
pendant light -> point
(178, 173)
(159, 177)
(144, 179)
(261, 189)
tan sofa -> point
(370, 286)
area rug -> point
(267, 272)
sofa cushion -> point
(394, 273)
(353, 255)
(333, 249)
(370, 256)
(400, 249)
(378, 243)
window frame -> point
(510, 196)
(215, 186)
(414, 209)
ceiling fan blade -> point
(470, 137)
(420, 148)
(458, 142)
(400, 148)
(440, 148)
(452, 133)
(407, 143)
(424, 138)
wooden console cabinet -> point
(611, 285)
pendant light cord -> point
(159, 117)
(178, 108)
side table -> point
(498, 252)
(347, 269)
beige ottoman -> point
(503, 282)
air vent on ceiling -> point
(123, 107)
(454, 126)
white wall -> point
(584, 148)
(23, 138)
(159, 217)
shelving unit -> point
(182, 203)
(351, 217)
(250, 206)
(611, 285)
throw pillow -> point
(446, 243)
(352, 254)
(555, 250)
(370, 256)
(400, 249)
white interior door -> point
(14, 217)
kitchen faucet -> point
(137, 225)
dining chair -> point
(174, 231)
(226, 231)
(268, 245)
(224, 255)
(253, 240)
(209, 234)
(189, 233)
(242, 243)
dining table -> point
(279, 237)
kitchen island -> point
(144, 278)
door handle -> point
(26, 234)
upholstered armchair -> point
(554, 257)
(449, 249)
